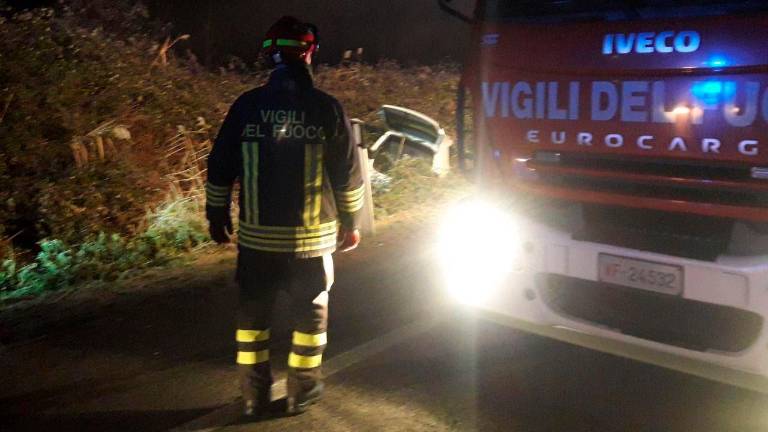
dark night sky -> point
(411, 31)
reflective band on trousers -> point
(304, 362)
(310, 340)
(250, 357)
(252, 335)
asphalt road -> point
(399, 359)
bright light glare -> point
(681, 109)
(477, 248)
(717, 61)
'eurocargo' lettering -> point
(649, 42)
(679, 145)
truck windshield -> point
(585, 10)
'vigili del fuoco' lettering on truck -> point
(738, 104)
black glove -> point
(219, 224)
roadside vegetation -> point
(104, 134)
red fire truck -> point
(621, 152)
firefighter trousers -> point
(261, 276)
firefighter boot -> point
(256, 403)
(299, 402)
(310, 313)
(256, 383)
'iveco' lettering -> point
(649, 42)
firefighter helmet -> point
(290, 41)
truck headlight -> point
(478, 247)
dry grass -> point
(186, 154)
(415, 186)
(364, 88)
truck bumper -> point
(730, 287)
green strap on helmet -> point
(285, 42)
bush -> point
(178, 225)
(84, 122)
(175, 228)
(52, 269)
(103, 197)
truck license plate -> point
(640, 274)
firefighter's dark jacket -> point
(289, 146)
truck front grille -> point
(677, 234)
(652, 316)
(703, 182)
(673, 207)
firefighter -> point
(301, 191)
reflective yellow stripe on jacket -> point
(313, 184)
(251, 181)
(217, 196)
(350, 201)
(287, 239)
(312, 237)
